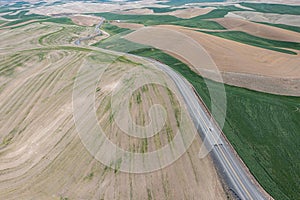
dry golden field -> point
(41, 154)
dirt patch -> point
(231, 57)
(85, 20)
(259, 30)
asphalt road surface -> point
(236, 176)
(97, 32)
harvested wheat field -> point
(292, 20)
(132, 26)
(41, 153)
(89, 7)
(230, 57)
(189, 12)
(137, 11)
(85, 20)
(260, 30)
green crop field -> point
(246, 38)
(162, 10)
(60, 20)
(283, 26)
(218, 13)
(263, 128)
(115, 42)
(273, 8)
(182, 2)
(149, 20)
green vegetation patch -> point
(283, 26)
(141, 19)
(198, 23)
(149, 20)
(182, 2)
(164, 9)
(60, 20)
(220, 12)
(25, 19)
(39, 18)
(116, 42)
(112, 30)
(246, 38)
(263, 128)
(20, 15)
(273, 8)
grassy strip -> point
(20, 15)
(201, 24)
(283, 26)
(273, 8)
(263, 128)
(149, 20)
(220, 12)
(115, 42)
(246, 38)
(163, 10)
(60, 20)
(11, 23)
(182, 2)
(142, 19)
(112, 30)
(5, 9)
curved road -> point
(97, 32)
(237, 178)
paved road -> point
(97, 32)
(236, 176)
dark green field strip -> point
(115, 42)
(2, 22)
(22, 15)
(4, 9)
(118, 44)
(283, 26)
(263, 128)
(18, 21)
(273, 8)
(20, 4)
(198, 23)
(220, 12)
(149, 20)
(112, 30)
(182, 2)
(163, 10)
(59, 20)
(142, 19)
(246, 38)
